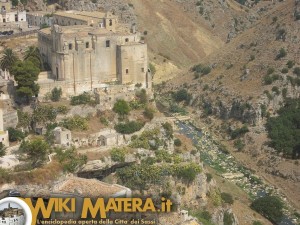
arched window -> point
(110, 22)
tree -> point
(56, 94)
(15, 2)
(129, 127)
(2, 150)
(8, 59)
(121, 107)
(69, 159)
(15, 135)
(32, 54)
(270, 207)
(26, 73)
(177, 142)
(34, 151)
(182, 95)
(44, 113)
(283, 130)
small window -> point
(87, 45)
(143, 69)
(127, 71)
(126, 40)
(110, 23)
(107, 44)
(70, 46)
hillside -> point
(250, 78)
(178, 33)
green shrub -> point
(284, 92)
(177, 142)
(2, 150)
(168, 129)
(270, 70)
(209, 177)
(269, 79)
(142, 96)
(104, 121)
(188, 172)
(149, 113)
(285, 70)
(75, 123)
(239, 144)
(56, 94)
(62, 109)
(290, 64)
(152, 68)
(118, 154)
(297, 71)
(5, 176)
(196, 75)
(206, 70)
(182, 95)
(227, 198)
(283, 129)
(276, 90)
(121, 107)
(15, 135)
(69, 159)
(206, 87)
(239, 132)
(129, 127)
(81, 99)
(228, 218)
(34, 151)
(257, 223)
(281, 54)
(263, 109)
(44, 114)
(270, 207)
(200, 69)
(270, 97)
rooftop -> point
(84, 30)
(88, 187)
(84, 15)
(39, 13)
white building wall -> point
(16, 220)
(11, 17)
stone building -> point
(39, 18)
(109, 137)
(62, 136)
(9, 19)
(8, 115)
(12, 216)
(90, 51)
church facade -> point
(93, 55)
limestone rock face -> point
(224, 214)
(118, 7)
